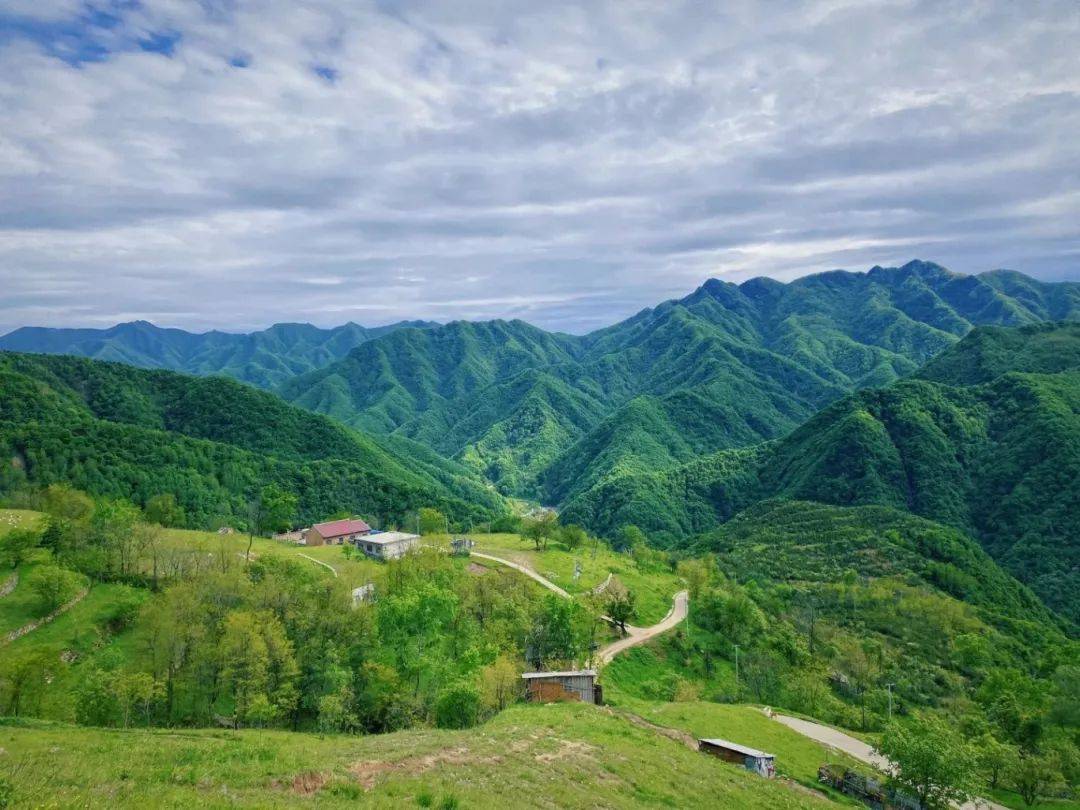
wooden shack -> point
(750, 758)
(550, 687)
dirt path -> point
(639, 635)
(856, 748)
(317, 562)
(634, 635)
(524, 569)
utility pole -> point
(736, 666)
(889, 686)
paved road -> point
(639, 635)
(856, 748)
(634, 635)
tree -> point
(500, 684)
(1035, 775)
(540, 529)
(270, 512)
(931, 761)
(628, 537)
(458, 706)
(996, 759)
(165, 511)
(53, 586)
(16, 545)
(60, 500)
(556, 634)
(696, 573)
(432, 521)
(619, 603)
(573, 537)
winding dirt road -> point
(639, 635)
(634, 635)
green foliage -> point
(53, 586)
(16, 546)
(432, 521)
(165, 511)
(458, 706)
(264, 358)
(213, 444)
(932, 761)
(558, 417)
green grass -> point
(20, 606)
(654, 587)
(17, 519)
(529, 756)
(1013, 800)
(75, 635)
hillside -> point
(123, 432)
(538, 756)
(995, 454)
(265, 358)
(728, 366)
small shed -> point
(549, 687)
(750, 758)
(365, 593)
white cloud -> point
(572, 162)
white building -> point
(387, 545)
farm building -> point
(337, 532)
(750, 758)
(548, 687)
(387, 545)
(461, 546)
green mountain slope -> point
(727, 366)
(996, 455)
(118, 431)
(266, 358)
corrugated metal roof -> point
(566, 674)
(741, 749)
(336, 528)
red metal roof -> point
(336, 528)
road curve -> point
(856, 748)
(639, 635)
(634, 635)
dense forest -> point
(266, 358)
(546, 415)
(213, 443)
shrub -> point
(458, 707)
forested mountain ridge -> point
(119, 431)
(265, 358)
(996, 455)
(546, 415)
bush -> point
(458, 707)
(54, 586)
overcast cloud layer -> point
(232, 164)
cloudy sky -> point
(234, 163)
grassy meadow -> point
(528, 756)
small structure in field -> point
(387, 545)
(291, 537)
(461, 546)
(750, 758)
(337, 532)
(549, 687)
(365, 593)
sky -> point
(233, 163)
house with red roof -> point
(337, 532)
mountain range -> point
(952, 397)
(266, 358)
